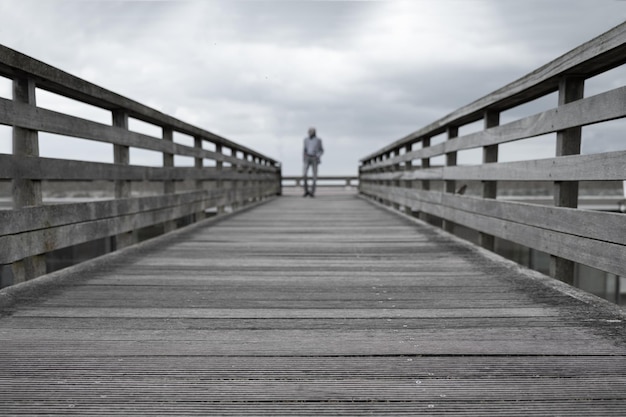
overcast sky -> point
(260, 73)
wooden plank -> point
(69, 170)
(34, 218)
(600, 108)
(41, 217)
(324, 306)
(602, 255)
(39, 241)
(417, 174)
(30, 117)
(596, 167)
(603, 226)
(13, 63)
(21, 245)
(551, 234)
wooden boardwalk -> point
(326, 306)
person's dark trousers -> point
(310, 161)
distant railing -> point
(237, 175)
(322, 181)
(401, 175)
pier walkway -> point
(325, 306)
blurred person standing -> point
(311, 154)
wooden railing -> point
(401, 175)
(322, 181)
(237, 175)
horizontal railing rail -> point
(224, 177)
(322, 181)
(401, 175)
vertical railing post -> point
(26, 192)
(199, 165)
(450, 185)
(234, 183)
(255, 179)
(425, 183)
(395, 183)
(568, 142)
(219, 185)
(408, 184)
(388, 183)
(246, 183)
(279, 174)
(490, 188)
(121, 156)
(169, 186)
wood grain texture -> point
(40, 119)
(599, 108)
(594, 239)
(597, 167)
(63, 169)
(14, 63)
(325, 306)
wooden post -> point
(490, 188)
(121, 155)
(254, 181)
(199, 165)
(408, 165)
(278, 187)
(568, 142)
(234, 183)
(219, 185)
(450, 186)
(396, 183)
(388, 183)
(169, 186)
(425, 183)
(26, 192)
(246, 183)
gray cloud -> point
(261, 72)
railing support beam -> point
(450, 186)
(26, 192)
(568, 142)
(425, 183)
(123, 188)
(490, 188)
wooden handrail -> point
(599, 55)
(349, 180)
(402, 177)
(239, 175)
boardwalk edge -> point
(30, 290)
(598, 303)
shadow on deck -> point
(325, 306)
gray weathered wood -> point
(44, 120)
(568, 142)
(600, 254)
(26, 192)
(13, 63)
(62, 169)
(41, 217)
(489, 188)
(600, 108)
(603, 226)
(274, 312)
(605, 52)
(596, 167)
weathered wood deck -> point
(326, 306)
